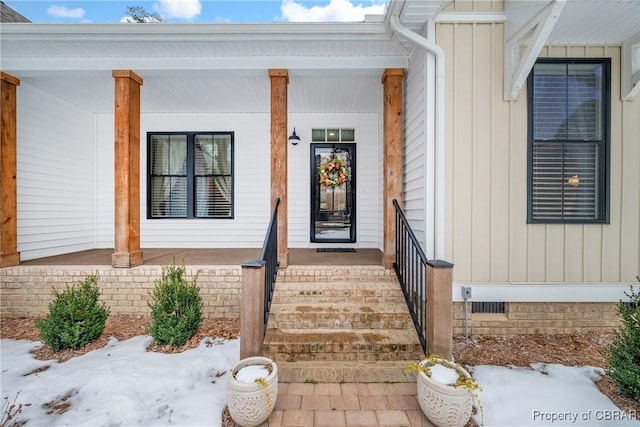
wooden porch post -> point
(252, 309)
(439, 327)
(279, 164)
(127, 251)
(9, 254)
(392, 159)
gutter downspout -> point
(438, 53)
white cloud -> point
(335, 11)
(65, 12)
(181, 9)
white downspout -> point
(438, 53)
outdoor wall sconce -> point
(294, 139)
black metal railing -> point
(411, 268)
(269, 256)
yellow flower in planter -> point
(443, 385)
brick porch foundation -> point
(26, 291)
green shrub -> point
(75, 318)
(624, 351)
(176, 307)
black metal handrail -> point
(411, 268)
(269, 256)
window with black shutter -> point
(568, 154)
(190, 175)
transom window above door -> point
(332, 135)
(190, 174)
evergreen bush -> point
(624, 351)
(176, 307)
(75, 317)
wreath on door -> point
(333, 173)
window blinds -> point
(568, 146)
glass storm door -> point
(333, 195)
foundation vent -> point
(487, 307)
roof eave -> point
(196, 31)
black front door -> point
(333, 193)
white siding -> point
(418, 149)
(252, 180)
(105, 170)
(66, 168)
(415, 133)
(251, 184)
(55, 175)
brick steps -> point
(354, 292)
(342, 345)
(340, 324)
(345, 372)
(343, 315)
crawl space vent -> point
(487, 307)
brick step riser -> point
(338, 286)
(309, 300)
(340, 322)
(347, 294)
(335, 279)
(359, 372)
(399, 356)
(333, 274)
(342, 345)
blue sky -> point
(181, 11)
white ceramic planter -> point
(251, 404)
(444, 405)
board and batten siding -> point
(55, 175)
(475, 6)
(487, 237)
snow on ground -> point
(124, 385)
(547, 395)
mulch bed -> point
(121, 327)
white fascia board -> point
(195, 32)
(579, 292)
(23, 66)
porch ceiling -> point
(217, 92)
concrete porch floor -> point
(217, 256)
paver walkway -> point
(346, 405)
